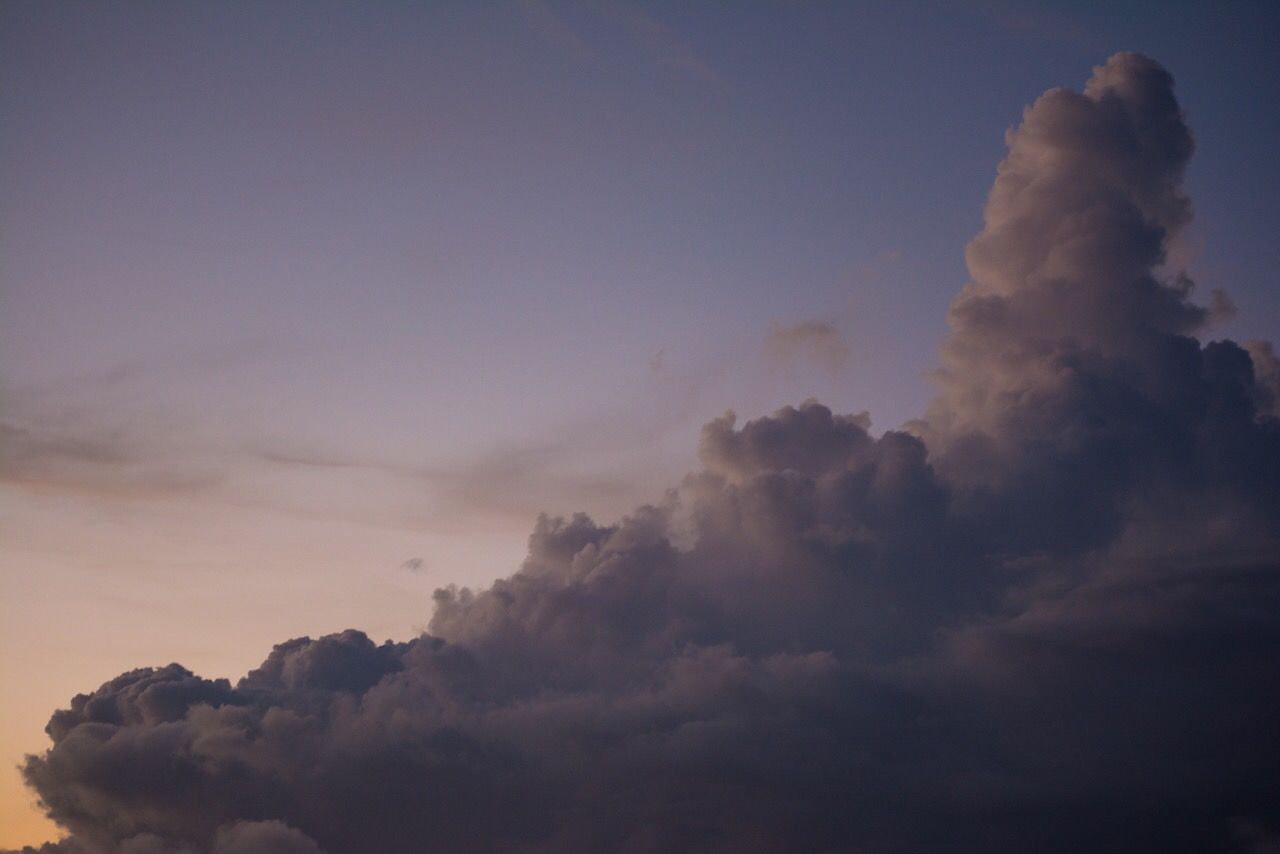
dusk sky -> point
(308, 311)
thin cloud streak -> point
(791, 346)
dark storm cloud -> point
(1045, 619)
(1266, 371)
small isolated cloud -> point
(808, 343)
(414, 565)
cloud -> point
(240, 837)
(509, 481)
(1045, 618)
(1266, 370)
(103, 434)
(809, 341)
(69, 453)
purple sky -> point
(293, 294)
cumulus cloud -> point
(1044, 618)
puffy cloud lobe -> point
(1266, 368)
(241, 837)
(809, 440)
(1071, 387)
(1046, 618)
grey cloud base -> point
(1046, 617)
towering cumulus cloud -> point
(1046, 617)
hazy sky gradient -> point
(291, 294)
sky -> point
(307, 312)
